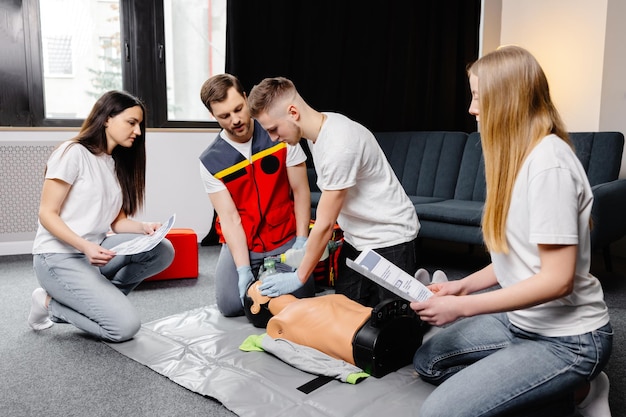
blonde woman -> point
(543, 334)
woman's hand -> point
(454, 287)
(97, 255)
(122, 224)
(444, 306)
(150, 228)
(439, 309)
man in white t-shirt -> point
(360, 191)
(259, 190)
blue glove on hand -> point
(279, 284)
(245, 278)
(299, 243)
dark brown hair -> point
(130, 163)
(215, 89)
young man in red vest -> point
(259, 190)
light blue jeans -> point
(485, 366)
(94, 298)
(226, 278)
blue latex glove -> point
(299, 243)
(279, 284)
(245, 278)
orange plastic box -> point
(185, 263)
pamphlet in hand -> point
(389, 276)
(146, 242)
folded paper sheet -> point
(199, 350)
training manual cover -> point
(389, 276)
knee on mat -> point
(231, 310)
(122, 331)
(422, 366)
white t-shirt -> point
(377, 212)
(295, 156)
(93, 201)
(551, 204)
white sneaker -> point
(439, 276)
(596, 403)
(422, 276)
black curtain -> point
(396, 65)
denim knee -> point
(422, 362)
(163, 254)
(123, 330)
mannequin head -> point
(256, 306)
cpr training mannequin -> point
(379, 340)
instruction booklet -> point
(389, 276)
(145, 243)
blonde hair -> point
(516, 112)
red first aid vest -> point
(259, 188)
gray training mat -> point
(199, 350)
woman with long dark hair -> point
(93, 184)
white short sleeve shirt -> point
(93, 202)
(551, 204)
(377, 212)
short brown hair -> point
(215, 89)
(264, 94)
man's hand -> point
(279, 284)
(299, 243)
(245, 278)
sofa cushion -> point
(461, 233)
(452, 211)
(416, 199)
(426, 163)
(600, 154)
(471, 182)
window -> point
(83, 32)
(195, 41)
(74, 50)
(57, 56)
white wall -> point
(173, 179)
(613, 103)
(567, 38)
(580, 45)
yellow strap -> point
(245, 163)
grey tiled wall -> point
(21, 176)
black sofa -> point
(443, 174)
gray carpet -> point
(63, 372)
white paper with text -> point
(389, 276)
(146, 242)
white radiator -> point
(22, 166)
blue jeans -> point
(485, 366)
(226, 278)
(94, 298)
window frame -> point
(143, 64)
